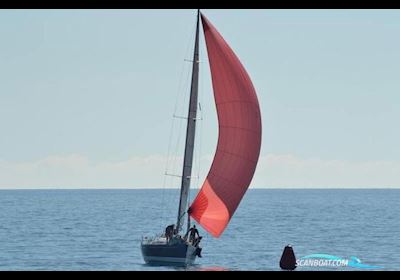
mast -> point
(190, 132)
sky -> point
(87, 96)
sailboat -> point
(235, 160)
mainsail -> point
(239, 138)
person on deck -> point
(169, 232)
(192, 235)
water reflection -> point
(207, 268)
(193, 267)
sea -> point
(74, 230)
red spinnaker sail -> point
(239, 137)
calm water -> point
(101, 229)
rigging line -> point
(199, 133)
(190, 40)
(181, 83)
(183, 89)
(169, 149)
(175, 156)
(183, 93)
(201, 98)
(201, 124)
(166, 169)
(177, 98)
(180, 130)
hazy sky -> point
(87, 96)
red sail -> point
(239, 137)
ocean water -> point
(102, 229)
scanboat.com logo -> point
(329, 260)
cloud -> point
(77, 171)
(289, 171)
(273, 171)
